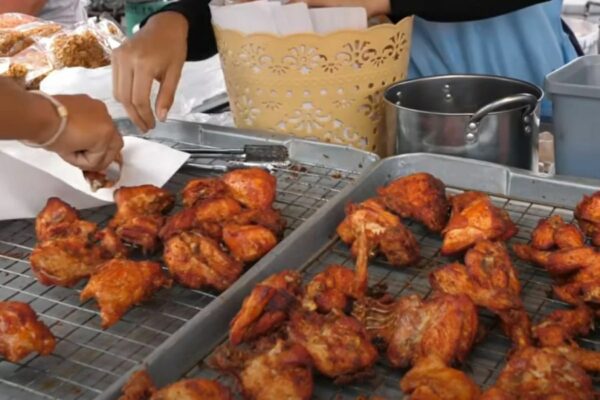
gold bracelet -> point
(62, 112)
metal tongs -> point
(261, 156)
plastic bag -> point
(109, 30)
(12, 20)
(40, 29)
(12, 42)
(82, 47)
(29, 67)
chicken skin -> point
(197, 261)
(475, 218)
(420, 197)
(266, 308)
(267, 217)
(141, 387)
(338, 344)
(554, 232)
(384, 231)
(587, 214)
(533, 374)
(199, 189)
(431, 379)
(21, 333)
(120, 284)
(410, 328)
(561, 326)
(490, 280)
(332, 289)
(255, 188)
(59, 220)
(279, 370)
(140, 215)
(248, 243)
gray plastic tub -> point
(575, 93)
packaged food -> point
(109, 30)
(40, 29)
(29, 67)
(12, 42)
(79, 48)
(12, 20)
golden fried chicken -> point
(266, 308)
(199, 189)
(332, 289)
(197, 261)
(140, 215)
(267, 217)
(410, 328)
(587, 214)
(431, 379)
(474, 218)
(255, 188)
(561, 326)
(21, 333)
(279, 370)
(141, 387)
(554, 232)
(248, 243)
(58, 220)
(338, 344)
(533, 374)
(120, 284)
(206, 217)
(384, 231)
(490, 280)
(420, 197)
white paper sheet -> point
(292, 18)
(332, 19)
(28, 176)
(251, 17)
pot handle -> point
(526, 99)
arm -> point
(29, 7)
(89, 140)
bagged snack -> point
(40, 29)
(12, 42)
(28, 67)
(109, 30)
(12, 20)
(79, 48)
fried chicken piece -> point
(21, 333)
(431, 379)
(267, 217)
(554, 232)
(281, 370)
(587, 214)
(582, 287)
(338, 344)
(120, 284)
(255, 188)
(490, 280)
(197, 261)
(410, 328)
(199, 189)
(561, 326)
(266, 308)
(533, 374)
(206, 217)
(248, 243)
(475, 218)
(420, 197)
(141, 387)
(58, 220)
(384, 231)
(140, 215)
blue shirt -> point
(526, 44)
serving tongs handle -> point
(209, 167)
(212, 152)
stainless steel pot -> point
(474, 116)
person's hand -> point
(157, 52)
(90, 140)
(373, 7)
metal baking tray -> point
(526, 197)
(88, 360)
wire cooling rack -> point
(88, 359)
(487, 357)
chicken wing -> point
(266, 308)
(490, 280)
(141, 387)
(120, 284)
(475, 218)
(553, 232)
(332, 289)
(338, 344)
(140, 215)
(248, 243)
(21, 333)
(269, 371)
(267, 217)
(561, 326)
(431, 379)
(255, 188)
(197, 261)
(587, 214)
(420, 197)
(200, 189)
(384, 232)
(410, 329)
(533, 374)
(58, 220)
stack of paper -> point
(262, 16)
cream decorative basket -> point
(323, 87)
